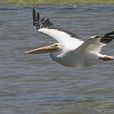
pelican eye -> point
(56, 45)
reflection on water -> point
(36, 84)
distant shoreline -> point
(55, 2)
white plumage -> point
(71, 50)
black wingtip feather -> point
(33, 13)
(40, 23)
(110, 34)
(108, 37)
(38, 16)
(34, 17)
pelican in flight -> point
(70, 50)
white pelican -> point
(71, 50)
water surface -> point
(34, 84)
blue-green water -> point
(34, 84)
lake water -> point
(34, 84)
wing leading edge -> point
(45, 26)
(95, 43)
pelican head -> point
(45, 49)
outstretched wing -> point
(45, 26)
(96, 43)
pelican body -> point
(70, 50)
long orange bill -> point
(41, 50)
